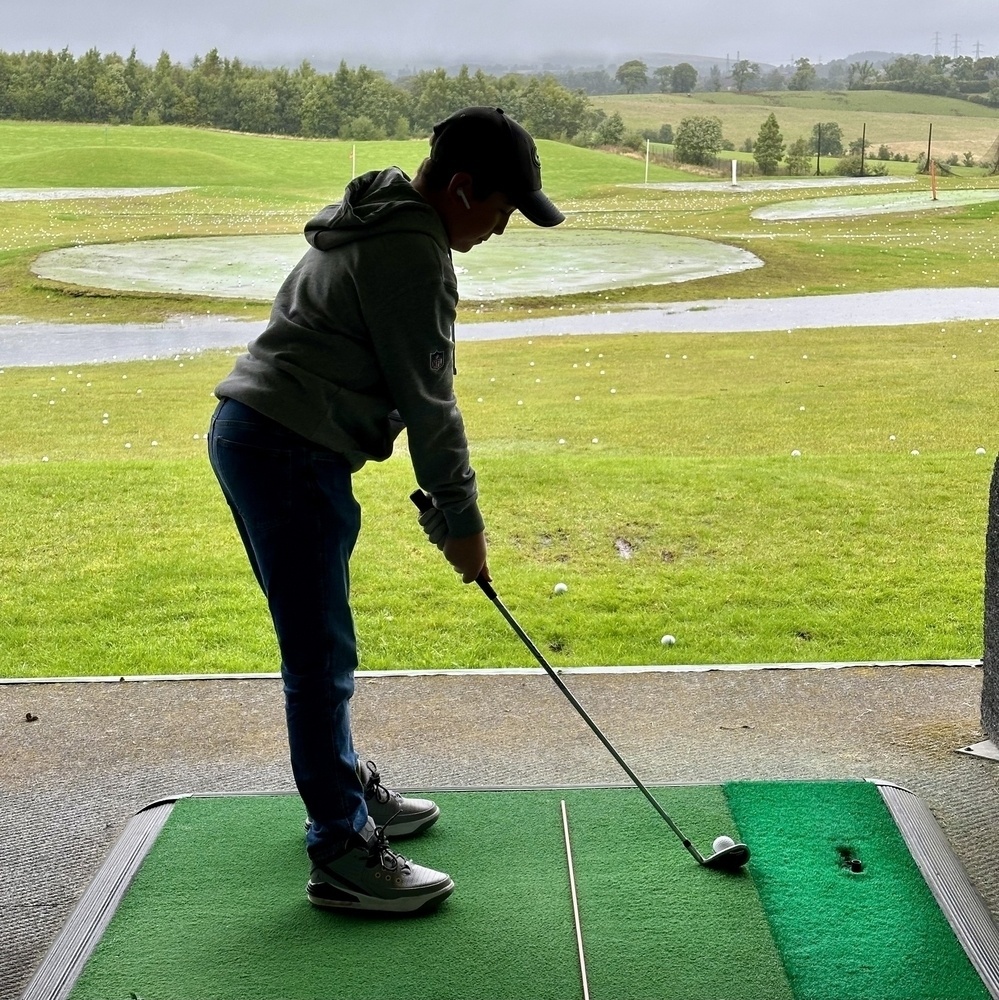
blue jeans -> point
(298, 519)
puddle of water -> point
(521, 263)
(866, 204)
(29, 343)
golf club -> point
(729, 858)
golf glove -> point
(434, 524)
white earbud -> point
(463, 197)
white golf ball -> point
(559, 588)
(668, 640)
(722, 843)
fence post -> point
(990, 682)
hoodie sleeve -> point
(410, 314)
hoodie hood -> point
(374, 204)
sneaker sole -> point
(334, 898)
(409, 828)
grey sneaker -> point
(371, 877)
(398, 815)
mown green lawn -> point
(669, 505)
(900, 121)
(666, 497)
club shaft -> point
(584, 715)
(424, 503)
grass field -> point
(674, 504)
(900, 121)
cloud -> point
(447, 33)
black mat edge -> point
(943, 872)
(946, 878)
(64, 961)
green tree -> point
(698, 139)
(715, 79)
(683, 78)
(548, 111)
(361, 129)
(745, 73)
(632, 75)
(798, 158)
(319, 116)
(768, 150)
(774, 80)
(610, 131)
(831, 139)
(663, 78)
(111, 94)
(860, 75)
(804, 76)
(858, 145)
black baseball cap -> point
(498, 153)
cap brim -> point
(537, 207)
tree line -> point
(973, 79)
(350, 103)
(699, 140)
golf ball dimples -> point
(722, 843)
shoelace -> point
(374, 788)
(380, 853)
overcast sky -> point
(390, 33)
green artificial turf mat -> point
(865, 935)
(218, 910)
(655, 924)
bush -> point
(849, 166)
(361, 129)
(663, 134)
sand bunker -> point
(849, 205)
(522, 263)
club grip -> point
(422, 500)
(424, 503)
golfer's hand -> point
(435, 526)
(467, 556)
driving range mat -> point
(851, 894)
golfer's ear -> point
(460, 182)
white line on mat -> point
(575, 903)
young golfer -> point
(360, 344)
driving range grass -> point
(674, 505)
(246, 184)
(900, 121)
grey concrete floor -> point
(95, 753)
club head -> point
(729, 859)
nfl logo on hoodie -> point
(437, 361)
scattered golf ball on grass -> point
(559, 588)
(722, 843)
(668, 640)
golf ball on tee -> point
(722, 843)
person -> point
(360, 343)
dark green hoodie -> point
(360, 342)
